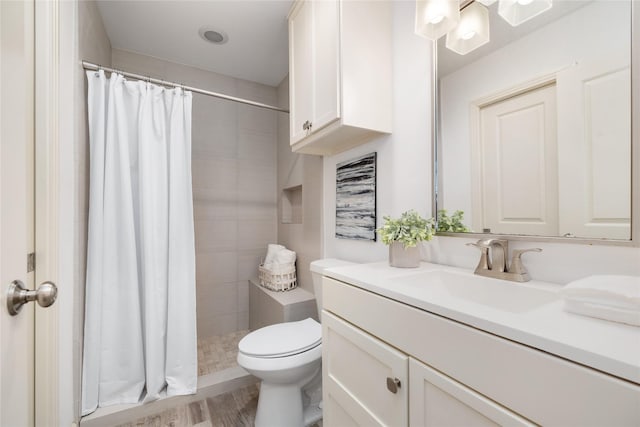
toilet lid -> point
(283, 339)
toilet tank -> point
(317, 269)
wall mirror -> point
(534, 128)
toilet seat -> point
(282, 340)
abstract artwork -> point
(356, 198)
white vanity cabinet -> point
(365, 380)
(455, 374)
(369, 383)
(339, 74)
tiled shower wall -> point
(234, 187)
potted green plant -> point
(403, 234)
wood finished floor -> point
(234, 409)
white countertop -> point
(610, 347)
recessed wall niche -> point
(292, 205)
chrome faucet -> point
(494, 260)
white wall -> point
(404, 157)
(404, 180)
(234, 187)
(575, 38)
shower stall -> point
(234, 185)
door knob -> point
(18, 295)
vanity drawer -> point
(356, 367)
(543, 388)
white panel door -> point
(594, 149)
(16, 208)
(518, 164)
(436, 400)
(356, 368)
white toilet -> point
(287, 358)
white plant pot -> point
(402, 257)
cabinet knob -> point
(393, 384)
(306, 125)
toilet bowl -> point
(286, 357)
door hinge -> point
(31, 262)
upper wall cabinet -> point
(339, 74)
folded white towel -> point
(272, 251)
(606, 290)
(614, 314)
(282, 268)
(285, 256)
(608, 297)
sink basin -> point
(497, 294)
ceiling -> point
(257, 30)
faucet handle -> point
(484, 263)
(516, 261)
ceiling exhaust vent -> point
(213, 36)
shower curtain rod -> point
(94, 67)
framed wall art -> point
(356, 198)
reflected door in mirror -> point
(515, 155)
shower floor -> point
(218, 352)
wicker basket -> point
(280, 278)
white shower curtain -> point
(140, 324)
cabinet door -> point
(300, 69)
(326, 36)
(314, 34)
(437, 400)
(355, 370)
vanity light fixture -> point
(434, 18)
(515, 12)
(472, 30)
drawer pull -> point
(393, 384)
